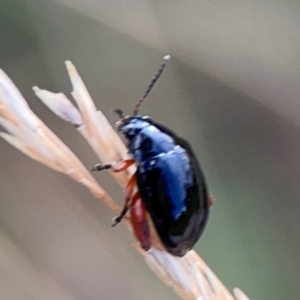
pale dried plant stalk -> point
(189, 276)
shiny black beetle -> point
(171, 185)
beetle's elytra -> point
(171, 185)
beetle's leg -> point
(211, 200)
(123, 165)
(128, 195)
(99, 167)
(119, 167)
(139, 221)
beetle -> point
(171, 184)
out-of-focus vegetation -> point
(232, 90)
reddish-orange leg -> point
(128, 196)
(119, 167)
(134, 202)
(139, 221)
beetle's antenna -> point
(119, 112)
(152, 83)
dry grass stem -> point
(189, 276)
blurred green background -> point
(232, 89)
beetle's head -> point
(130, 126)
